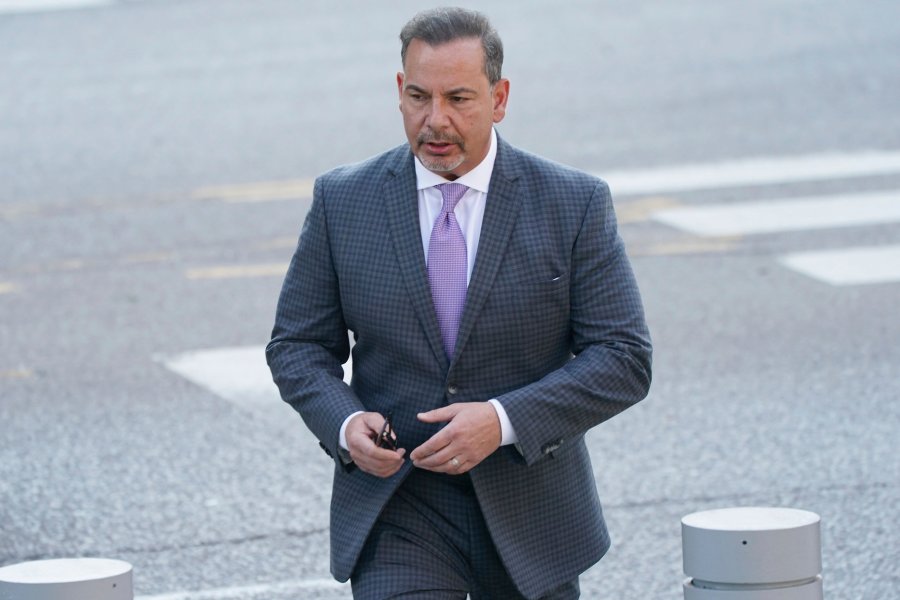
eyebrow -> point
(460, 90)
(453, 92)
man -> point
(495, 321)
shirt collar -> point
(478, 178)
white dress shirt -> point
(470, 215)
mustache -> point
(429, 136)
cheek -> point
(476, 128)
(412, 126)
(411, 116)
(408, 117)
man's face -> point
(448, 105)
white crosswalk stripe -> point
(839, 267)
(238, 374)
(752, 172)
(848, 266)
(29, 6)
(794, 214)
(854, 265)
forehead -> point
(459, 61)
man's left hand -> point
(472, 434)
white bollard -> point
(752, 554)
(67, 579)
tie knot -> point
(451, 192)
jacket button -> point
(452, 389)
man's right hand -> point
(362, 430)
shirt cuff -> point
(342, 438)
(507, 433)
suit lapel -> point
(500, 212)
(403, 219)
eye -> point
(457, 99)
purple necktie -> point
(448, 266)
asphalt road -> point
(155, 164)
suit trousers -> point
(431, 543)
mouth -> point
(439, 143)
(438, 147)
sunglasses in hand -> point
(387, 439)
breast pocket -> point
(537, 297)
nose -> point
(438, 117)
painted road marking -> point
(751, 172)
(261, 191)
(848, 266)
(690, 246)
(27, 6)
(7, 287)
(69, 264)
(147, 257)
(640, 210)
(793, 214)
(278, 243)
(12, 211)
(238, 374)
(675, 178)
(20, 373)
(240, 592)
(237, 271)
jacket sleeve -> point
(611, 365)
(309, 340)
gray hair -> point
(438, 26)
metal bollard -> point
(752, 553)
(67, 579)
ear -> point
(500, 96)
(400, 84)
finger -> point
(378, 461)
(385, 467)
(439, 415)
(363, 442)
(454, 465)
(435, 461)
(437, 450)
(457, 464)
(367, 424)
(432, 445)
(380, 471)
(370, 426)
(361, 434)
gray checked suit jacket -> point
(553, 328)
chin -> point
(439, 165)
